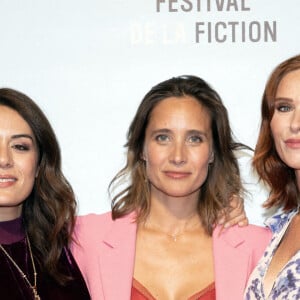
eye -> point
(162, 138)
(282, 107)
(195, 139)
(21, 147)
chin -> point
(180, 194)
(294, 164)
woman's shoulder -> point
(280, 219)
(93, 219)
(255, 232)
(92, 228)
(251, 234)
(97, 223)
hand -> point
(235, 215)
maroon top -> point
(14, 287)
(11, 231)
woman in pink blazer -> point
(159, 241)
(106, 256)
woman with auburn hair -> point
(161, 240)
(37, 208)
(277, 162)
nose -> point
(178, 154)
(5, 158)
(295, 121)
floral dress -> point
(287, 283)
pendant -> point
(36, 297)
(174, 237)
(35, 294)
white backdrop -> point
(89, 63)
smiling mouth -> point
(6, 182)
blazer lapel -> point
(117, 258)
(231, 264)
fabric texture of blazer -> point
(105, 250)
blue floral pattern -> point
(287, 284)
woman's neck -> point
(180, 207)
(8, 213)
(173, 215)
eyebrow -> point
(194, 131)
(283, 99)
(166, 130)
(22, 135)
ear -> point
(143, 156)
(37, 171)
(212, 157)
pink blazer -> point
(105, 251)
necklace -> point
(174, 236)
(33, 287)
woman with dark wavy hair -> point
(161, 240)
(277, 162)
(37, 208)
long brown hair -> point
(223, 177)
(48, 213)
(266, 162)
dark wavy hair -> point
(223, 177)
(48, 214)
(271, 169)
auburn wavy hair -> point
(270, 168)
(48, 214)
(223, 176)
